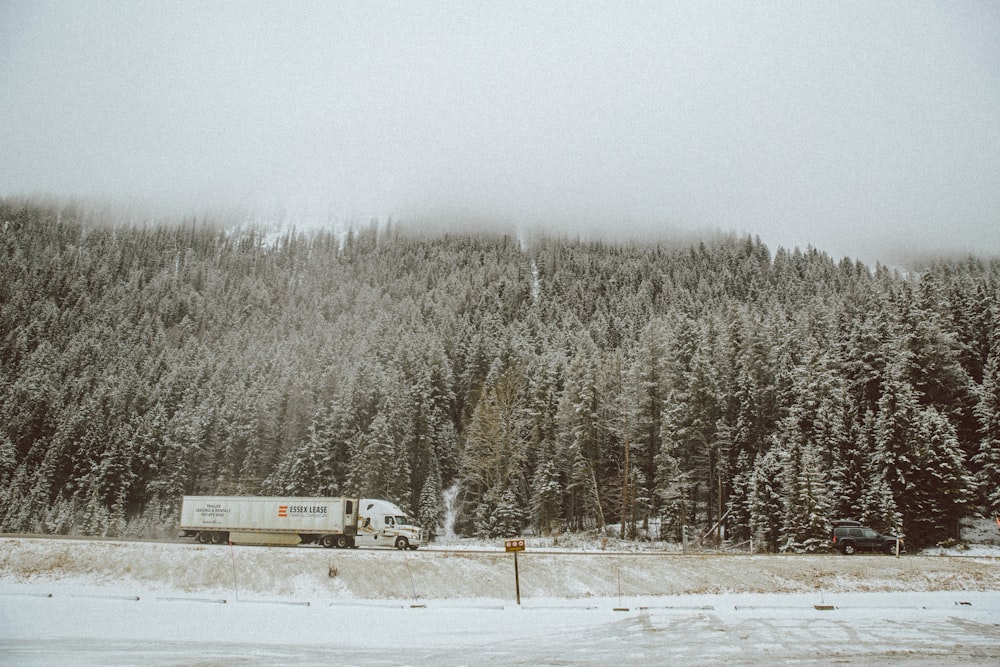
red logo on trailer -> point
(283, 510)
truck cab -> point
(383, 524)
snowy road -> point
(86, 627)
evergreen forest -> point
(717, 388)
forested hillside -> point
(561, 385)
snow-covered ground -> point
(750, 629)
(107, 603)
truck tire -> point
(220, 538)
(327, 541)
(204, 537)
(343, 542)
(402, 543)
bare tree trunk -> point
(597, 495)
(625, 476)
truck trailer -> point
(330, 522)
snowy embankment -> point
(316, 574)
(97, 603)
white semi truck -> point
(330, 522)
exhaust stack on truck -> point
(330, 522)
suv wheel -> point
(848, 549)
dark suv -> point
(849, 537)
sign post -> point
(232, 552)
(515, 546)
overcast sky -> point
(858, 128)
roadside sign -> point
(514, 545)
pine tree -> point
(582, 443)
(678, 505)
(546, 496)
(806, 503)
(940, 493)
(924, 465)
(430, 512)
(646, 389)
(934, 367)
(378, 468)
(894, 445)
(988, 457)
(693, 414)
(876, 503)
(548, 479)
(766, 507)
(738, 504)
(508, 517)
(8, 460)
(580, 503)
(850, 453)
(495, 450)
(863, 338)
(316, 468)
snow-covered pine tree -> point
(547, 485)
(495, 449)
(673, 489)
(941, 490)
(546, 496)
(738, 504)
(317, 467)
(644, 398)
(507, 519)
(923, 463)
(692, 413)
(987, 459)
(934, 368)
(580, 502)
(580, 440)
(862, 351)
(430, 512)
(894, 445)
(8, 460)
(378, 468)
(806, 524)
(876, 504)
(766, 507)
(851, 455)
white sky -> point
(866, 129)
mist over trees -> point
(562, 385)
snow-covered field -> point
(106, 603)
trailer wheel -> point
(343, 542)
(327, 541)
(402, 543)
(204, 537)
(220, 538)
